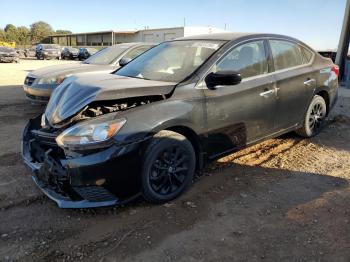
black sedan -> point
(8, 55)
(69, 53)
(85, 53)
(148, 126)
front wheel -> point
(314, 117)
(168, 167)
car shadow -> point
(254, 202)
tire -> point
(168, 167)
(314, 117)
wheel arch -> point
(325, 95)
(192, 136)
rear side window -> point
(248, 59)
(285, 54)
(307, 55)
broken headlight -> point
(90, 133)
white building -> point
(106, 38)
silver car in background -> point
(39, 84)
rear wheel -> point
(168, 167)
(314, 117)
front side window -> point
(248, 59)
(285, 54)
(171, 61)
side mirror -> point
(124, 61)
(222, 78)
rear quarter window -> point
(286, 54)
(307, 55)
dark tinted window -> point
(249, 59)
(285, 54)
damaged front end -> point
(72, 182)
(73, 152)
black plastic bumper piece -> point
(66, 202)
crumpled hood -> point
(76, 92)
(67, 69)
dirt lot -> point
(286, 199)
(14, 74)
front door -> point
(243, 113)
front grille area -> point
(29, 80)
(95, 193)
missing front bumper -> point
(66, 202)
(76, 182)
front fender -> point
(144, 121)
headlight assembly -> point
(56, 80)
(89, 133)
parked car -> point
(48, 51)
(20, 52)
(39, 84)
(85, 53)
(8, 55)
(329, 54)
(148, 126)
(30, 52)
(69, 53)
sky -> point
(316, 22)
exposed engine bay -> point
(104, 107)
(99, 108)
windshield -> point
(51, 46)
(106, 56)
(171, 61)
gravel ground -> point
(286, 199)
(14, 74)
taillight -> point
(335, 69)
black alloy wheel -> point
(168, 167)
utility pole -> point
(343, 46)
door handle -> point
(309, 82)
(267, 93)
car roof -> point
(134, 44)
(233, 36)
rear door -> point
(241, 113)
(295, 81)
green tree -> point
(63, 32)
(9, 27)
(2, 35)
(23, 35)
(39, 31)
